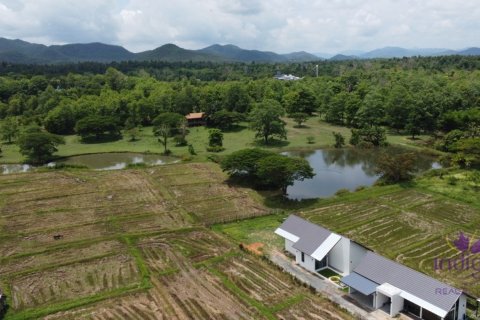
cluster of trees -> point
(434, 96)
(266, 169)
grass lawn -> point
(327, 273)
(254, 230)
(198, 137)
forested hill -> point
(18, 51)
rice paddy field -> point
(413, 225)
(136, 244)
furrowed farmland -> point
(412, 225)
(83, 244)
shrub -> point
(215, 148)
(310, 140)
(342, 192)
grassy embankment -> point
(198, 137)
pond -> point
(117, 160)
(98, 161)
(344, 169)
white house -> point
(316, 248)
(372, 279)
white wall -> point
(338, 257)
(356, 254)
(397, 305)
(309, 263)
(462, 307)
(289, 248)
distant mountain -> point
(342, 57)
(387, 52)
(24, 52)
(300, 56)
(470, 52)
(235, 53)
(171, 52)
(94, 52)
(19, 51)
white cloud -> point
(278, 25)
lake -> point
(98, 161)
(344, 169)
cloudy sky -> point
(277, 25)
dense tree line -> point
(435, 95)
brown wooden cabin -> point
(195, 119)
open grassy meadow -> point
(198, 137)
(133, 244)
(411, 224)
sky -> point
(318, 26)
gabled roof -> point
(194, 116)
(417, 287)
(310, 236)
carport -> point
(361, 288)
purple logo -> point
(467, 260)
(463, 244)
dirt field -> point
(132, 244)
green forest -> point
(434, 96)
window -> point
(303, 257)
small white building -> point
(377, 282)
(287, 77)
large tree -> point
(279, 171)
(396, 168)
(97, 127)
(265, 119)
(172, 120)
(266, 169)
(9, 129)
(243, 163)
(38, 146)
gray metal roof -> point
(311, 235)
(380, 270)
(359, 283)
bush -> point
(310, 140)
(342, 192)
(180, 140)
(339, 139)
(215, 148)
(214, 158)
(191, 150)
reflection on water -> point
(117, 161)
(344, 169)
(99, 161)
(14, 168)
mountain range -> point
(19, 51)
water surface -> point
(344, 169)
(98, 161)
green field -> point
(81, 244)
(198, 137)
(411, 224)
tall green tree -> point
(265, 120)
(397, 167)
(38, 146)
(97, 127)
(9, 129)
(279, 171)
